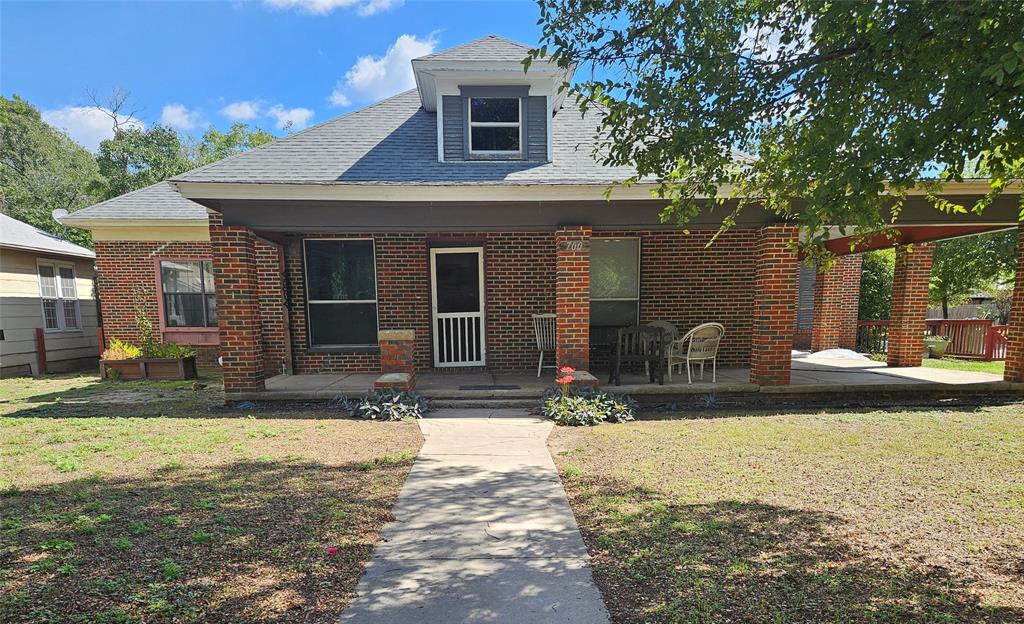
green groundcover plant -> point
(584, 406)
(388, 405)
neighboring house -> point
(457, 210)
(45, 283)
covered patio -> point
(813, 374)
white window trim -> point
(495, 124)
(58, 287)
(639, 273)
(309, 302)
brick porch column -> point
(238, 307)
(1015, 339)
(910, 279)
(836, 298)
(572, 296)
(771, 339)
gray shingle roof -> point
(159, 201)
(489, 48)
(395, 142)
(20, 235)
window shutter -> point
(454, 137)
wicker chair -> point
(544, 332)
(700, 344)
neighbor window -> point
(614, 281)
(190, 299)
(59, 297)
(494, 126)
(341, 292)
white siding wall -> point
(21, 313)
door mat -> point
(495, 387)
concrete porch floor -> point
(810, 375)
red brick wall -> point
(836, 299)
(126, 278)
(1015, 340)
(911, 276)
(273, 313)
(572, 297)
(238, 307)
(774, 310)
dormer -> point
(488, 108)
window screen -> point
(614, 281)
(341, 292)
(190, 299)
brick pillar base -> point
(397, 348)
(1015, 340)
(910, 279)
(572, 297)
(238, 307)
(771, 340)
(836, 299)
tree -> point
(42, 170)
(962, 266)
(215, 145)
(876, 285)
(841, 105)
(135, 158)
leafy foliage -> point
(120, 350)
(843, 105)
(963, 266)
(42, 170)
(391, 405)
(216, 145)
(171, 350)
(876, 285)
(137, 158)
(586, 406)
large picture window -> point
(59, 297)
(341, 285)
(614, 281)
(190, 299)
(494, 126)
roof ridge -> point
(279, 140)
(470, 43)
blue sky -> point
(265, 62)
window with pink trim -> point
(188, 298)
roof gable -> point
(490, 48)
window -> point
(614, 281)
(190, 299)
(59, 297)
(341, 292)
(494, 126)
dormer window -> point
(495, 127)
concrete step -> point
(486, 403)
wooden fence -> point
(975, 339)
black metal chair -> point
(639, 344)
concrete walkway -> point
(482, 532)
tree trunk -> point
(945, 308)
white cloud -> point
(244, 110)
(177, 116)
(87, 125)
(324, 7)
(290, 118)
(374, 78)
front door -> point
(457, 305)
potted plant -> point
(936, 346)
(122, 360)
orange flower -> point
(565, 380)
(567, 370)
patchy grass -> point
(204, 514)
(971, 366)
(899, 516)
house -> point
(424, 231)
(47, 305)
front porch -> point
(810, 375)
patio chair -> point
(639, 344)
(671, 334)
(544, 332)
(700, 344)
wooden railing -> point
(976, 339)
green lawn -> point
(882, 516)
(973, 366)
(192, 513)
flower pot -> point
(936, 346)
(151, 368)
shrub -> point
(586, 406)
(391, 405)
(170, 350)
(119, 350)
